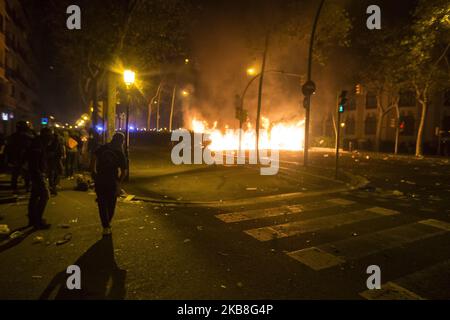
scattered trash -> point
(4, 229)
(251, 189)
(16, 234)
(187, 240)
(223, 286)
(180, 198)
(67, 237)
(38, 239)
(354, 234)
(397, 193)
(129, 198)
(141, 228)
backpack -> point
(107, 161)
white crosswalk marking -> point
(282, 210)
(354, 248)
(321, 223)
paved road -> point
(316, 247)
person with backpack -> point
(106, 163)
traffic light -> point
(358, 89)
(342, 101)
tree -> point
(426, 63)
(117, 33)
(384, 75)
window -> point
(350, 126)
(351, 104)
(370, 124)
(407, 99)
(371, 101)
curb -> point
(356, 182)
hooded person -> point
(109, 167)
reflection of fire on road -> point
(273, 136)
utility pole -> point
(309, 87)
(157, 110)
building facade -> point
(361, 115)
(18, 69)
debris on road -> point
(16, 234)
(38, 239)
(187, 240)
(67, 237)
(4, 229)
(397, 193)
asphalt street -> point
(315, 244)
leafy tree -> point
(427, 53)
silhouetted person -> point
(107, 161)
(55, 154)
(71, 155)
(37, 163)
(16, 149)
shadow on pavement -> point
(101, 278)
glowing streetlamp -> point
(185, 93)
(128, 77)
(251, 71)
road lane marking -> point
(282, 210)
(321, 223)
(390, 291)
(315, 258)
(372, 243)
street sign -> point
(309, 88)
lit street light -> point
(129, 78)
(251, 71)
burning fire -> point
(272, 136)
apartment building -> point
(18, 80)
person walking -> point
(37, 164)
(106, 163)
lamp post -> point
(128, 78)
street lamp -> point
(251, 71)
(129, 78)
